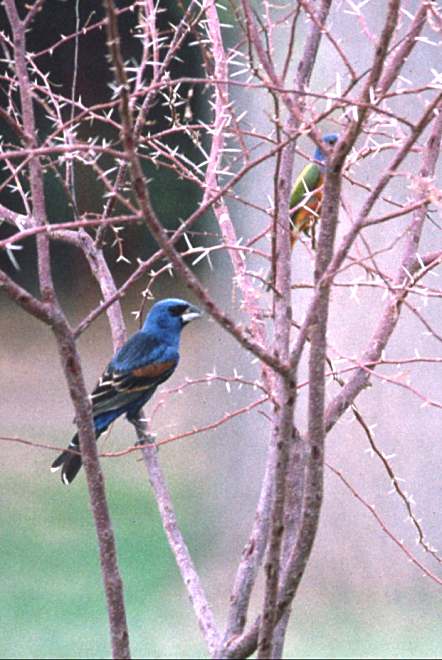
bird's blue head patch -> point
(171, 314)
(330, 140)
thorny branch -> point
(68, 354)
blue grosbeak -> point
(145, 361)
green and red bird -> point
(307, 193)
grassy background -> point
(52, 603)
(359, 597)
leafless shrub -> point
(390, 130)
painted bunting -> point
(306, 196)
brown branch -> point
(25, 300)
(396, 485)
(176, 541)
(160, 235)
(351, 235)
(390, 315)
(108, 555)
(384, 527)
(69, 357)
(285, 387)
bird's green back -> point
(308, 180)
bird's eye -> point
(178, 310)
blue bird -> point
(145, 361)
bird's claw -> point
(146, 439)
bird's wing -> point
(118, 389)
(307, 181)
(138, 368)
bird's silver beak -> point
(191, 313)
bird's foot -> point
(146, 439)
(141, 428)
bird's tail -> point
(69, 462)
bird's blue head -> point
(170, 315)
(330, 140)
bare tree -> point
(299, 64)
